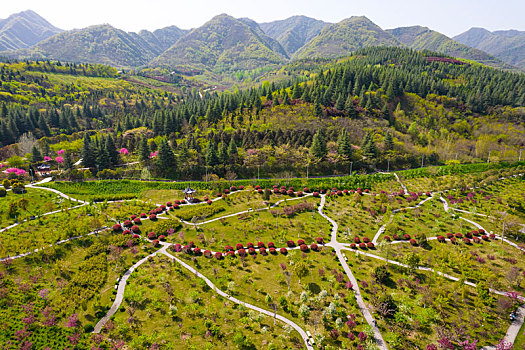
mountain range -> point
(226, 43)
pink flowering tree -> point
(123, 151)
(47, 158)
(60, 152)
(59, 160)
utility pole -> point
(258, 171)
(488, 159)
(422, 160)
(307, 165)
(351, 164)
(388, 167)
(519, 160)
(206, 173)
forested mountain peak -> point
(24, 29)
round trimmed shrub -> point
(283, 251)
(231, 253)
(357, 240)
(162, 238)
(152, 235)
(273, 250)
(241, 187)
(127, 223)
(169, 204)
(135, 229)
(155, 242)
(453, 240)
(218, 256)
(175, 247)
(226, 191)
(485, 237)
(241, 252)
(250, 245)
(186, 249)
(262, 251)
(197, 251)
(135, 236)
(458, 235)
(481, 231)
(492, 236)
(136, 221)
(440, 239)
(366, 239)
(314, 247)
(133, 217)
(450, 235)
(406, 236)
(233, 188)
(283, 191)
(387, 238)
(153, 217)
(176, 206)
(353, 246)
(209, 202)
(271, 245)
(228, 248)
(303, 247)
(306, 190)
(117, 228)
(126, 232)
(466, 240)
(260, 245)
(413, 242)
(395, 237)
(251, 251)
(370, 245)
(191, 244)
(319, 240)
(238, 246)
(143, 215)
(300, 194)
(316, 194)
(477, 240)
(290, 244)
(300, 242)
(207, 254)
(362, 245)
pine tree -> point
(344, 148)
(340, 104)
(370, 149)
(286, 99)
(88, 153)
(389, 142)
(112, 151)
(36, 155)
(318, 110)
(68, 162)
(366, 139)
(165, 162)
(350, 108)
(3, 110)
(144, 149)
(223, 153)
(211, 154)
(232, 150)
(318, 148)
(275, 101)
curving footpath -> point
(360, 302)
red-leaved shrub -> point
(262, 251)
(135, 236)
(162, 238)
(406, 236)
(357, 240)
(300, 241)
(477, 240)
(218, 256)
(260, 245)
(238, 246)
(250, 245)
(303, 247)
(362, 245)
(283, 250)
(228, 248)
(272, 250)
(366, 239)
(319, 240)
(126, 232)
(155, 242)
(207, 254)
(370, 245)
(241, 252)
(143, 215)
(353, 246)
(135, 229)
(251, 251)
(492, 236)
(127, 223)
(466, 240)
(271, 245)
(440, 239)
(387, 238)
(153, 217)
(197, 251)
(314, 247)
(152, 235)
(413, 242)
(117, 228)
(136, 221)
(290, 244)
(485, 237)
(316, 194)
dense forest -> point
(377, 109)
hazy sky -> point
(450, 17)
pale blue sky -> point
(450, 17)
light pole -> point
(258, 171)
(206, 173)
(488, 159)
(388, 167)
(519, 160)
(422, 160)
(351, 164)
(307, 165)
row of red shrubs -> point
(188, 249)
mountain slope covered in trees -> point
(294, 32)
(343, 38)
(394, 104)
(422, 38)
(24, 29)
(507, 45)
(223, 43)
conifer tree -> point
(340, 103)
(68, 162)
(112, 151)
(286, 100)
(223, 153)
(318, 110)
(165, 162)
(36, 155)
(144, 149)
(389, 142)
(211, 154)
(370, 149)
(232, 150)
(350, 108)
(318, 148)
(88, 153)
(344, 148)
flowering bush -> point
(155, 242)
(290, 244)
(238, 246)
(262, 251)
(207, 254)
(251, 251)
(117, 228)
(395, 237)
(319, 240)
(362, 245)
(228, 248)
(135, 236)
(387, 238)
(271, 245)
(458, 235)
(209, 202)
(154, 154)
(413, 242)
(241, 187)
(468, 235)
(406, 236)
(453, 240)
(492, 236)
(249, 245)
(135, 229)
(162, 238)
(440, 239)
(123, 151)
(231, 253)
(314, 247)
(152, 235)
(233, 188)
(136, 221)
(197, 251)
(450, 235)
(353, 246)
(175, 206)
(283, 250)
(477, 240)
(176, 247)
(153, 217)
(126, 232)
(306, 190)
(241, 252)
(226, 191)
(466, 240)
(218, 256)
(357, 240)
(303, 247)
(143, 215)
(370, 245)
(316, 194)
(272, 250)
(481, 231)
(300, 194)
(127, 223)
(485, 237)
(46, 159)
(366, 239)
(186, 249)
(300, 242)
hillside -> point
(162, 39)
(24, 29)
(346, 37)
(101, 44)
(423, 38)
(294, 32)
(223, 43)
(507, 45)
